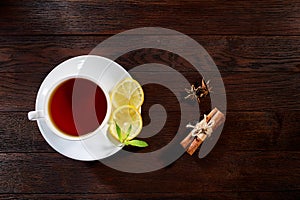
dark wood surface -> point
(256, 46)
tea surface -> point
(77, 106)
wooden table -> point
(256, 46)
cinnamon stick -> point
(189, 138)
(218, 119)
(191, 143)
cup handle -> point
(35, 115)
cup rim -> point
(50, 123)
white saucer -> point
(108, 73)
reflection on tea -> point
(77, 106)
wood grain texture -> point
(40, 54)
(111, 17)
(256, 46)
(288, 195)
(226, 171)
(243, 131)
(244, 91)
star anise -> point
(198, 92)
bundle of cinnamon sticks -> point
(202, 130)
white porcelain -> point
(96, 145)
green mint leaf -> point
(119, 132)
(128, 132)
(137, 143)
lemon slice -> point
(126, 116)
(127, 92)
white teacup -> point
(46, 115)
